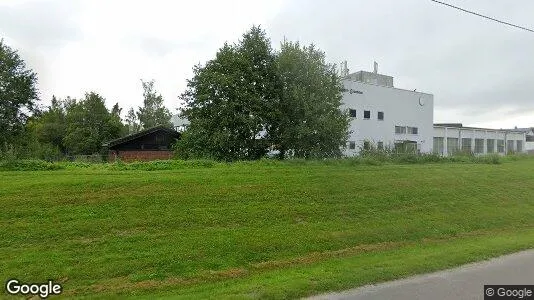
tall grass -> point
(368, 157)
(284, 230)
(28, 165)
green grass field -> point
(255, 230)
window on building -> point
(438, 146)
(452, 145)
(413, 130)
(352, 113)
(367, 114)
(490, 146)
(406, 147)
(380, 145)
(400, 147)
(352, 145)
(381, 115)
(366, 145)
(500, 146)
(519, 146)
(466, 145)
(479, 146)
(510, 146)
(400, 129)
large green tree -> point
(89, 124)
(229, 101)
(153, 112)
(50, 126)
(309, 122)
(132, 122)
(18, 95)
(249, 99)
(116, 111)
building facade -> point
(383, 116)
(530, 141)
(453, 138)
(150, 144)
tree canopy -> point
(89, 124)
(18, 94)
(153, 112)
(132, 122)
(250, 99)
(51, 127)
(228, 101)
(309, 121)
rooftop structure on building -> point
(367, 77)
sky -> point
(480, 72)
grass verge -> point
(257, 230)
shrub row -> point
(29, 165)
(369, 158)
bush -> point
(371, 158)
(28, 165)
(76, 165)
(161, 165)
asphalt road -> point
(466, 282)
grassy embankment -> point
(257, 230)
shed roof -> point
(139, 134)
(460, 126)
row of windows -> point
(366, 145)
(399, 147)
(366, 114)
(492, 146)
(406, 129)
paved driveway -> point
(466, 282)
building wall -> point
(160, 140)
(372, 78)
(470, 138)
(530, 141)
(138, 155)
(400, 108)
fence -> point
(94, 158)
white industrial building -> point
(179, 123)
(452, 138)
(529, 140)
(385, 116)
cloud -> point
(479, 71)
(35, 24)
(476, 69)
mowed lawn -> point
(257, 231)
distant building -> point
(530, 141)
(453, 138)
(150, 144)
(529, 138)
(383, 116)
(179, 123)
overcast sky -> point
(480, 72)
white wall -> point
(479, 133)
(400, 107)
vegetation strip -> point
(257, 229)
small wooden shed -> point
(149, 144)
